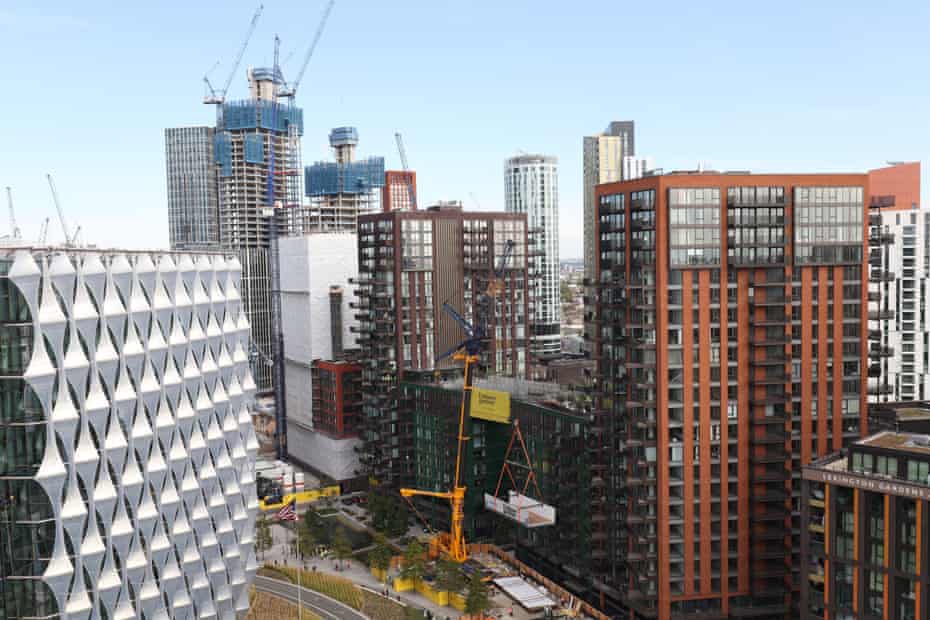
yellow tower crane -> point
(452, 543)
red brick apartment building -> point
(730, 335)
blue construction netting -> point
(357, 177)
(261, 114)
(254, 148)
(222, 152)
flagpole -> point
(300, 607)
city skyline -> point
(494, 76)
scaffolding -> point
(260, 114)
(356, 177)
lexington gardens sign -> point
(868, 483)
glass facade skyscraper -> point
(193, 214)
(531, 186)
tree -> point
(305, 540)
(317, 527)
(342, 548)
(476, 601)
(388, 514)
(414, 562)
(380, 555)
(398, 522)
(566, 292)
(263, 538)
(449, 576)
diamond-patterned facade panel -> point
(138, 364)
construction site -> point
(525, 469)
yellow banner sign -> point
(490, 405)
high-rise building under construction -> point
(341, 190)
(255, 137)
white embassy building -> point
(531, 186)
(128, 453)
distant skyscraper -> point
(603, 163)
(636, 167)
(246, 133)
(127, 463)
(531, 186)
(193, 216)
(395, 196)
(340, 191)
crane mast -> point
(61, 214)
(403, 162)
(14, 229)
(43, 231)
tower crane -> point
(452, 543)
(403, 162)
(218, 97)
(65, 229)
(289, 91)
(43, 231)
(14, 229)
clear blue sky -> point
(88, 88)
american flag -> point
(288, 512)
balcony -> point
(769, 360)
(878, 275)
(770, 436)
(877, 390)
(779, 378)
(876, 352)
(881, 239)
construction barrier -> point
(380, 574)
(457, 601)
(303, 497)
(439, 597)
(403, 585)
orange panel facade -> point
(396, 193)
(901, 181)
(730, 321)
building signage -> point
(490, 405)
(868, 483)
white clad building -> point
(127, 466)
(317, 323)
(905, 348)
(531, 186)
